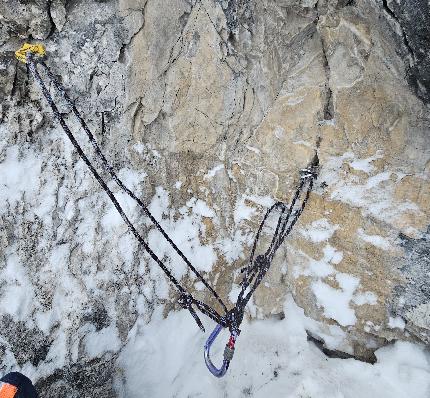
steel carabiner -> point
(228, 353)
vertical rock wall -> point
(211, 108)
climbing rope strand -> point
(293, 217)
(105, 164)
(258, 266)
(186, 299)
(297, 214)
(284, 217)
(283, 221)
(250, 270)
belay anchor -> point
(32, 55)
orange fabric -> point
(8, 391)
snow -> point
(139, 148)
(233, 248)
(146, 150)
(375, 240)
(105, 340)
(111, 219)
(335, 302)
(19, 176)
(365, 164)
(234, 292)
(16, 297)
(396, 323)
(185, 229)
(372, 193)
(199, 286)
(365, 298)
(375, 180)
(131, 178)
(159, 204)
(163, 356)
(265, 201)
(211, 173)
(200, 208)
(273, 359)
(242, 211)
(319, 231)
(319, 268)
(335, 292)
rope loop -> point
(258, 265)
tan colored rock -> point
(258, 108)
(210, 113)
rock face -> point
(211, 108)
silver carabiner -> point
(228, 353)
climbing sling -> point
(258, 264)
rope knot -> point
(186, 301)
(233, 319)
(262, 262)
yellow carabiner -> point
(38, 49)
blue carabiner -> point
(228, 353)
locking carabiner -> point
(228, 353)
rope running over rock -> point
(258, 265)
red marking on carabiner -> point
(231, 342)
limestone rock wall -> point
(211, 108)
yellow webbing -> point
(38, 49)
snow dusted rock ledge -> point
(211, 109)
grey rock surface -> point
(211, 107)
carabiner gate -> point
(228, 353)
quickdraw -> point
(32, 55)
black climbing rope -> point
(185, 298)
(258, 265)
